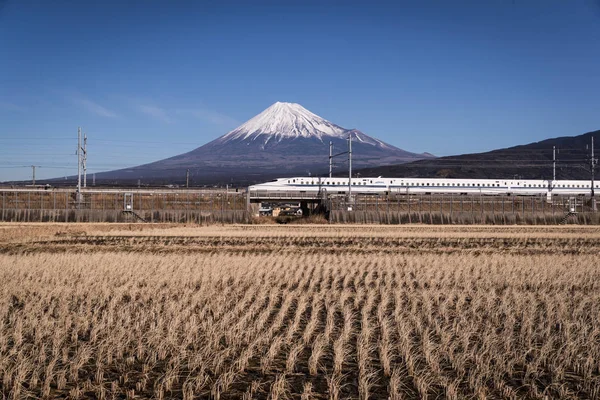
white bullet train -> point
(380, 185)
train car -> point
(380, 185)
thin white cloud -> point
(155, 112)
(210, 116)
(93, 107)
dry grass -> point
(294, 318)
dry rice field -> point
(299, 312)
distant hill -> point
(530, 161)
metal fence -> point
(123, 205)
(463, 209)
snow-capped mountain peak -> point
(285, 121)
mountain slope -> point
(530, 161)
(284, 139)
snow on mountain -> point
(283, 140)
(290, 121)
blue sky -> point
(151, 79)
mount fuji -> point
(285, 139)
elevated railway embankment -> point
(227, 206)
(397, 208)
(123, 205)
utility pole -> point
(554, 163)
(33, 174)
(349, 152)
(187, 178)
(84, 161)
(593, 163)
(330, 157)
(349, 167)
(78, 163)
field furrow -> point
(281, 314)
